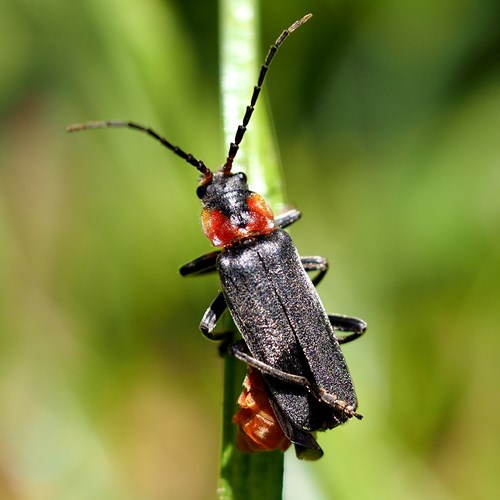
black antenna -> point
(233, 148)
(199, 165)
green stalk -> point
(246, 476)
(240, 63)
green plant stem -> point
(246, 476)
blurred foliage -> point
(387, 116)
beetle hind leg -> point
(239, 350)
(341, 323)
(339, 404)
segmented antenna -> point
(234, 146)
(240, 132)
(199, 165)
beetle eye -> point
(242, 177)
(201, 191)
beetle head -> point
(231, 212)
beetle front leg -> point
(202, 265)
(287, 218)
(343, 323)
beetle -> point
(286, 333)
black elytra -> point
(286, 333)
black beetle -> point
(286, 333)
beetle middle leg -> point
(239, 348)
(339, 322)
(209, 320)
(315, 263)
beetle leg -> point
(347, 324)
(239, 350)
(315, 263)
(202, 265)
(339, 322)
(287, 218)
(210, 318)
(339, 404)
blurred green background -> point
(387, 115)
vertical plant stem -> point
(240, 65)
(246, 476)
